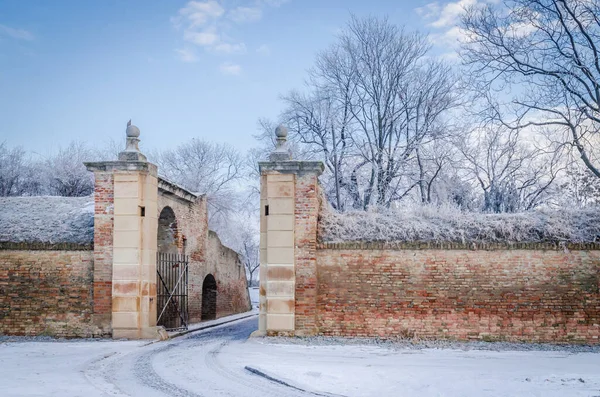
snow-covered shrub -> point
(449, 224)
(47, 219)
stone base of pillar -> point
(138, 333)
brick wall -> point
(536, 293)
(306, 211)
(207, 256)
(232, 288)
(47, 292)
(192, 226)
(103, 249)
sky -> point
(79, 70)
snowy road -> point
(188, 366)
(216, 362)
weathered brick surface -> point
(306, 212)
(192, 227)
(515, 295)
(103, 249)
(207, 256)
(225, 265)
(47, 292)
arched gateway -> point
(209, 298)
(171, 274)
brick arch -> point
(168, 232)
(209, 298)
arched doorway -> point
(167, 232)
(209, 298)
(171, 275)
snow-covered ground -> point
(54, 368)
(253, 296)
(216, 362)
(367, 370)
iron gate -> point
(171, 291)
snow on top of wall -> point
(446, 224)
(47, 219)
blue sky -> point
(179, 69)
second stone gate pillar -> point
(288, 236)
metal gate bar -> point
(171, 291)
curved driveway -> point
(188, 366)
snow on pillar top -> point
(132, 150)
(281, 152)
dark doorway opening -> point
(209, 298)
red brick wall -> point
(192, 224)
(207, 256)
(232, 288)
(528, 295)
(306, 212)
(103, 249)
(47, 293)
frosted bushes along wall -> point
(47, 219)
(448, 224)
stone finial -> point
(132, 150)
(132, 131)
(281, 152)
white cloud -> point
(274, 3)
(429, 11)
(187, 55)
(449, 14)
(446, 17)
(20, 34)
(245, 14)
(230, 68)
(208, 24)
(263, 50)
(205, 38)
(198, 13)
(231, 48)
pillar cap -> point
(132, 150)
(281, 152)
(292, 167)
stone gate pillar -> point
(288, 236)
(125, 241)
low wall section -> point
(232, 288)
(47, 290)
(530, 292)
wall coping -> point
(425, 245)
(169, 188)
(111, 166)
(39, 246)
(292, 167)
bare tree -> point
(65, 174)
(17, 175)
(512, 175)
(250, 252)
(549, 51)
(373, 100)
(207, 168)
(321, 121)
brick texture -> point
(47, 292)
(207, 256)
(513, 295)
(103, 250)
(306, 212)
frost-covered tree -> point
(65, 174)
(373, 103)
(17, 173)
(208, 168)
(513, 175)
(546, 54)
